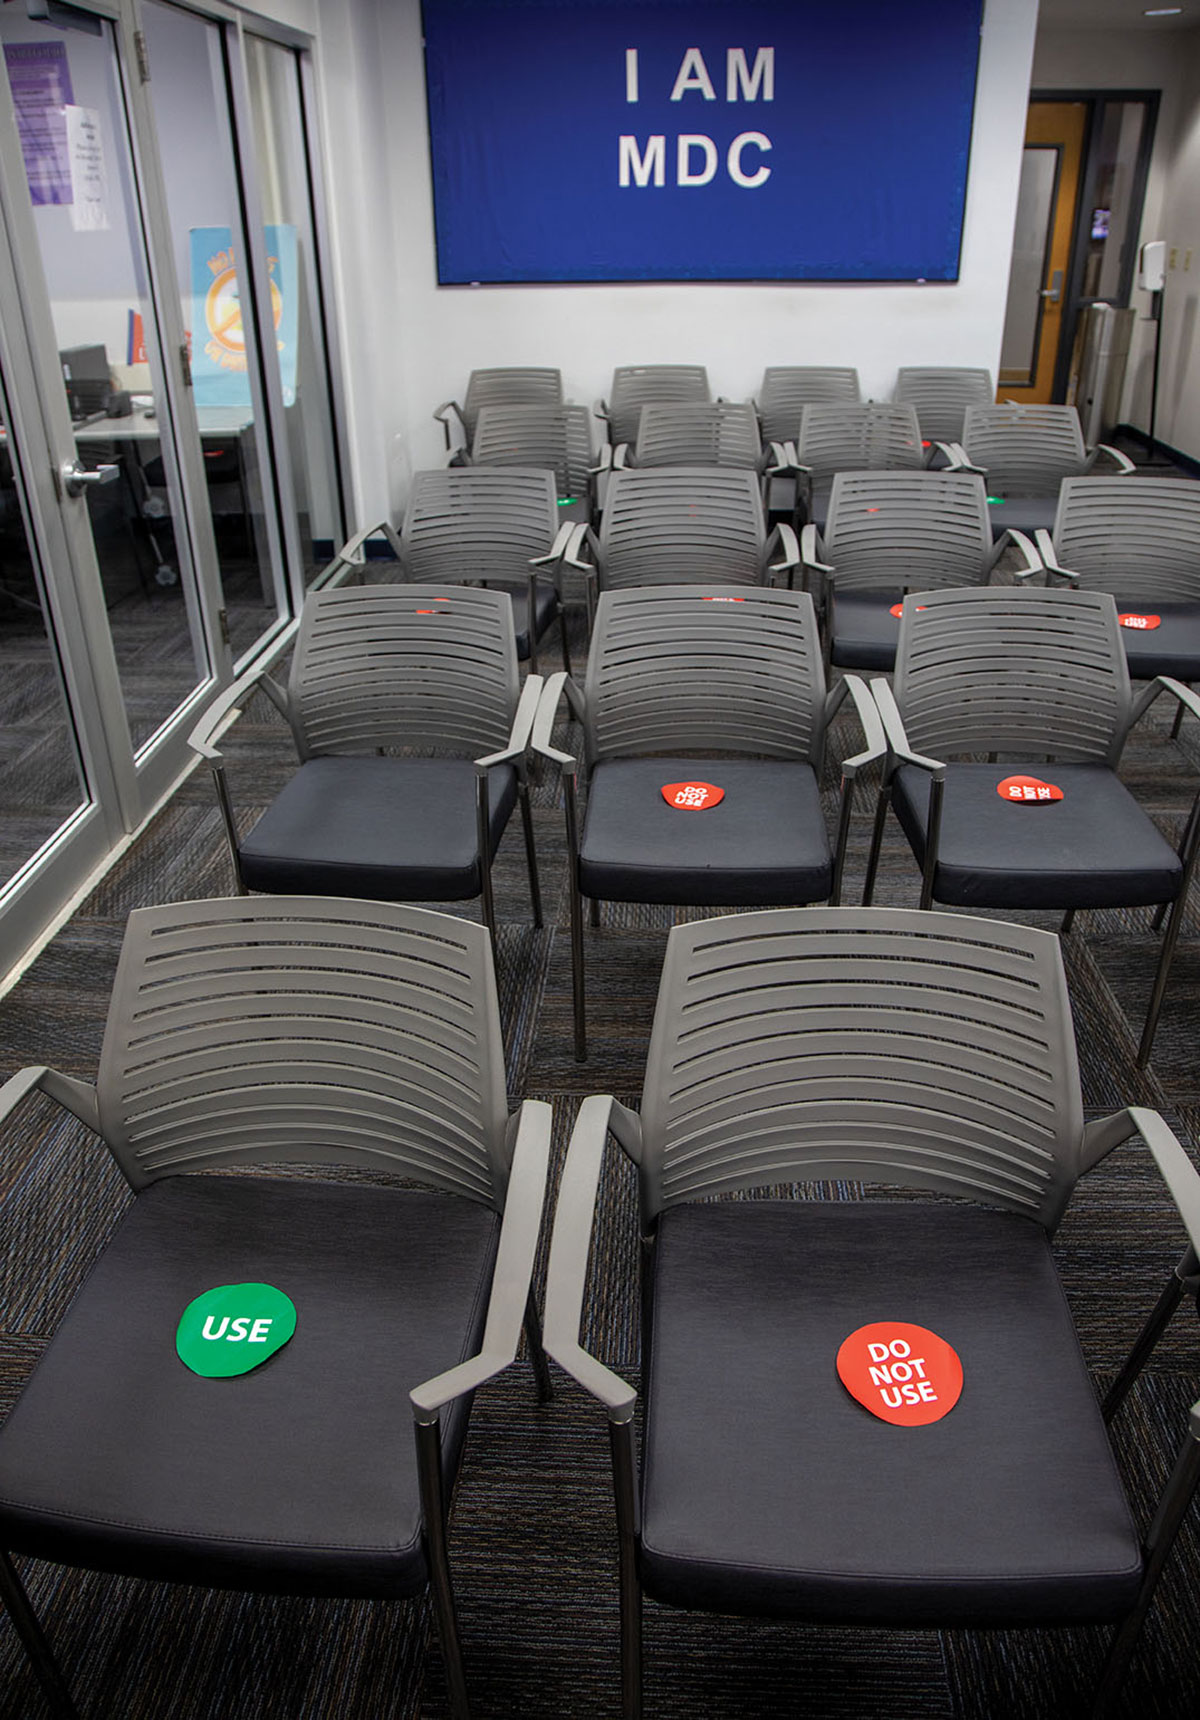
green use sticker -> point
(234, 1329)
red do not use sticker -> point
(692, 796)
(903, 1374)
(1140, 623)
(1028, 790)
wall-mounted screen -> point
(700, 140)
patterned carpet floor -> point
(532, 1536)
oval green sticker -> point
(234, 1329)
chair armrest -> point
(224, 711)
(604, 460)
(519, 1231)
(1050, 561)
(78, 1097)
(960, 460)
(1121, 461)
(522, 728)
(812, 550)
(1176, 1168)
(543, 725)
(1018, 539)
(783, 537)
(349, 551)
(560, 548)
(893, 728)
(779, 459)
(1187, 697)
(869, 720)
(442, 415)
(566, 1278)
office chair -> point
(512, 385)
(241, 1033)
(704, 716)
(924, 1052)
(411, 733)
(887, 533)
(1036, 679)
(1024, 453)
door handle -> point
(75, 480)
(1054, 291)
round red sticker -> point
(1028, 790)
(903, 1374)
(722, 600)
(692, 796)
(897, 609)
(1143, 623)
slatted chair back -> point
(897, 529)
(697, 669)
(1137, 540)
(1025, 450)
(637, 385)
(682, 524)
(923, 1050)
(306, 1029)
(699, 433)
(1013, 671)
(941, 394)
(514, 385)
(404, 668)
(558, 438)
(788, 388)
(471, 522)
(843, 437)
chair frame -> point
(560, 688)
(900, 752)
(577, 1205)
(518, 1195)
(220, 717)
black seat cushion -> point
(390, 829)
(765, 844)
(546, 609)
(299, 1477)
(768, 1489)
(1026, 514)
(1171, 648)
(1095, 848)
(862, 629)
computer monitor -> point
(85, 373)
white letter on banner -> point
(736, 73)
(748, 180)
(693, 75)
(631, 75)
(641, 166)
(687, 142)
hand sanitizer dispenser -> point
(1152, 266)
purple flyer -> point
(40, 79)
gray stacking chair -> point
(787, 389)
(1024, 453)
(500, 526)
(941, 394)
(924, 1052)
(636, 385)
(887, 533)
(842, 437)
(720, 433)
(1037, 679)
(411, 729)
(514, 385)
(1141, 542)
(554, 437)
(678, 524)
(335, 1033)
(698, 682)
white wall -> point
(411, 344)
(1178, 421)
(1168, 62)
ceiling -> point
(1113, 15)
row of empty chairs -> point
(927, 1053)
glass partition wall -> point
(168, 469)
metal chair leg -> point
(1165, 957)
(433, 1504)
(1068, 920)
(33, 1640)
(537, 1354)
(535, 888)
(620, 1435)
(562, 634)
(881, 811)
(1149, 1335)
(594, 912)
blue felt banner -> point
(609, 140)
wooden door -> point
(1037, 289)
